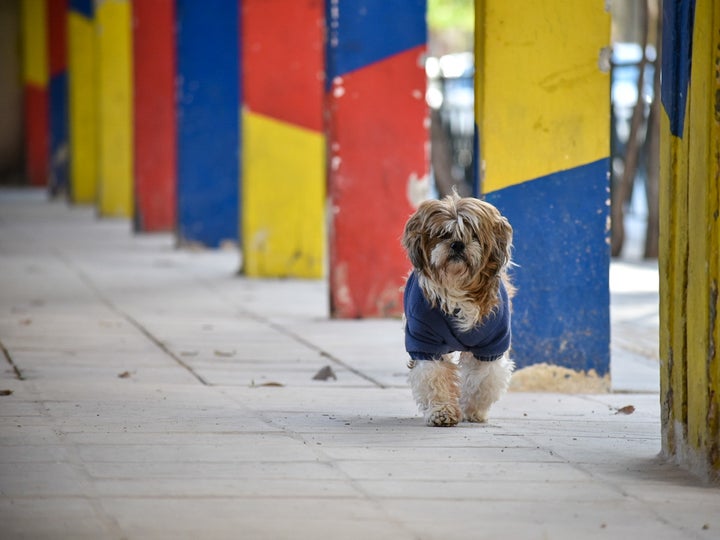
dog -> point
(457, 299)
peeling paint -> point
(342, 290)
(260, 239)
(418, 189)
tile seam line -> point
(317, 348)
(88, 282)
(8, 357)
(618, 488)
(295, 337)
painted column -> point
(542, 110)
(82, 102)
(283, 171)
(377, 142)
(690, 236)
(58, 95)
(35, 80)
(114, 97)
(154, 141)
(208, 121)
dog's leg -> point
(482, 384)
(435, 386)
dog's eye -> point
(446, 236)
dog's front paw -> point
(443, 416)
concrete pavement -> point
(152, 393)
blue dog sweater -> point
(430, 333)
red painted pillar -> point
(35, 82)
(377, 143)
(283, 154)
(154, 115)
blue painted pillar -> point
(542, 112)
(208, 126)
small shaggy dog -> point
(457, 299)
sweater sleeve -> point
(422, 340)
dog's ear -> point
(412, 241)
(501, 250)
(413, 237)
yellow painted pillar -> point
(690, 236)
(82, 105)
(543, 119)
(114, 98)
(283, 165)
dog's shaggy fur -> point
(460, 252)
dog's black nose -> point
(457, 246)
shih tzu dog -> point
(457, 299)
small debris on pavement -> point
(627, 409)
(224, 354)
(324, 374)
(5, 392)
(124, 375)
(270, 383)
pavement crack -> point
(13, 365)
(312, 346)
(294, 336)
(88, 282)
(158, 343)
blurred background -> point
(636, 34)
(636, 31)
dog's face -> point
(460, 244)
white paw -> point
(444, 415)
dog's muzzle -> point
(458, 251)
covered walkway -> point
(149, 392)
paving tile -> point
(481, 490)
(42, 479)
(232, 485)
(199, 471)
(24, 435)
(221, 518)
(549, 518)
(249, 447)
(463, 470)
(440, 455)
(52, 518)
(11, 454)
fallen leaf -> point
(5, 392)
(271, 383)
(627, 409)
(324, 374)
(124, 375)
